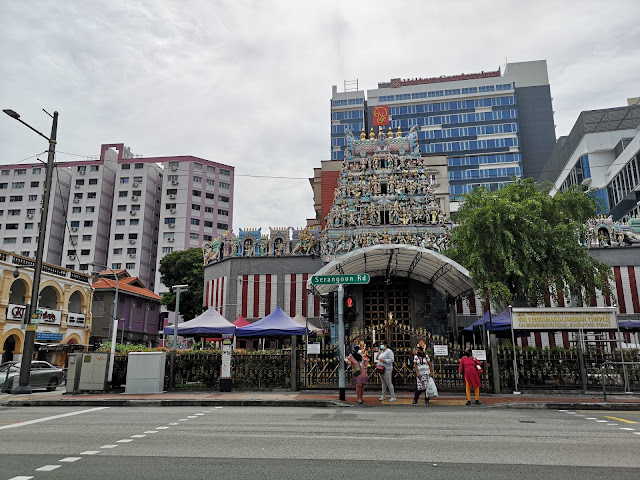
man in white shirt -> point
(385, 358)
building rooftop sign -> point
(397, 82)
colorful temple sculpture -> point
(384, 195)
(604, 232)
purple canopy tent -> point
(275, 324)
(208, 323)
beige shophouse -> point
(64, 309)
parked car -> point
(43, 375)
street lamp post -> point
(178, 288)
(113, 325)
(32, 310)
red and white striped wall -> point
(257, 295)
(297, 299)
(215, 294)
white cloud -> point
(248, 83)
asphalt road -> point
(299, 443)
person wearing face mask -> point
(385, 360)
(358, 361)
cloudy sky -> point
(248, 83)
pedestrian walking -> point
(470, 369)
(422, 366)
(358, 361)
(385, 370)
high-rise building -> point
(491, 125)
(121, 210)
(602, 153)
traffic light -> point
(349, 308)
(327, 310)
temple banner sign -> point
(564, 318)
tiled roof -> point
(124, 285)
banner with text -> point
(564, 318)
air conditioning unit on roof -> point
(135, 184)
(172, 210)
(74, 229)
(174, 169)
(171, 225)
(170, 239)
(132, 241)
(134, 198)
(132, 212)
(29, 215)
(172, 196)
(175, 182)
(76, 200)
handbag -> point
(380, 369)
(479, 368)
(432, 390)
(356, 371)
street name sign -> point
(361, 278)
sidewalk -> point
(321, 398)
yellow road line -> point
(620, 419)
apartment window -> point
(137, 179)
(139, 166)
(5, 172)
(122, 208)
(195, 221)
(225, 185)
(208, 223)
(2, 199)
(195, 207)
(35, 184)
(33, 198)
(131, 266)
(135, 208)
(1, 213)
(86, 238)
(90, 209)
(11, 226)
(3, 186)
(94, 168)
(223, 212)
(15, 198)
(167, 221)
(172, 178)
(136, 193)
(17, 184)
(224, 198)
(167, 249)
(75, 224)
(133, 236)
(71, 252)
(76, 210)
(134, 221)
(117, 251)
(13, 212)
(174, 164)
(123, 193)
(119, 236)
(26, 239)
(197, 179)
(172, 191)
(116, 266)
(85, 251)
(20, 171)
(71, 267)
(91, 195)
(93, 181)
(211, 183)
(209, 196)
(194, 236)
(169, 206)
(207, 238)
(126, 166)
(124, 180)
(79, 182)
(211, 169)
(31, 211)
(225, 172)
(223, 226)
(197, 193)
(8, 240)
(208, 209)
(73, 240)
(88, 223)
(197, 167)
(36, 171)
(82, 169)
(78, 196)
(121, 221)
(131, 251)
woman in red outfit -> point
(470, 372)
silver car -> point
(43, 375)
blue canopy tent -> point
(633, 324)
(498, 323)
(209, 322)
(277, 323)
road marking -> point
(198, 414)
(47, 468)
(174, 423)
(207, 411)
(54, 417)
(627, 428)
(637, 433)
(70, 459)
(611, 424)
(571, 413)
(563, 410)
(192, 416)
(601, 421)
(151, 431)
(591, 418)
(21, 478)
(161, 428)
(108, 446)
(183, 420)
(620, 419)
(217, 407)
(138, 436)
(125, 440)
(90, 452)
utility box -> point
(145, 372)
(93, 371)
(74, 362)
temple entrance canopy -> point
(393, 260)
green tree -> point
(519, 243)
(184, 267)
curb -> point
(174, 403)
(568, 406)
